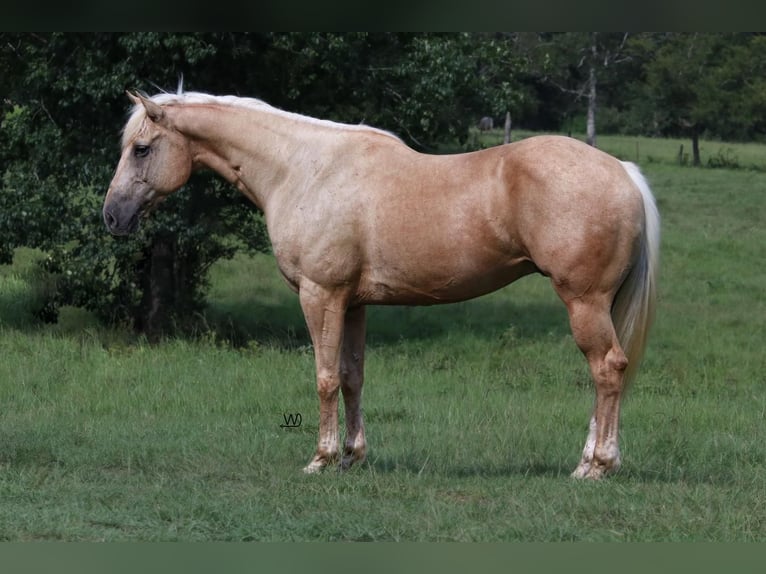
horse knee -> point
(327, 386)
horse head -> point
(156, 160)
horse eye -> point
(141, 150)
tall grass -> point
(476, 412)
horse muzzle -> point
(121, 219)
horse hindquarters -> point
(612, 332)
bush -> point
(724, 158)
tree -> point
(577, 63)
(707, 83)
(445, 82)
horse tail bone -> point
(634, 305)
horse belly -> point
(438, 280)
(446, 247)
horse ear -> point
(132, 98)
(153, 110)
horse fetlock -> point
(608, 456)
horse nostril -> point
(109, 219)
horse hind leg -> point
(595, 335)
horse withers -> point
(357, 218)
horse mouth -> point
(124, 218)
(133, 223)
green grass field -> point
(476, 413)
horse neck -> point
(256, 150)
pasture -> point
(476, 412)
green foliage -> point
(724, 158)
(707, 83)
(446, 74)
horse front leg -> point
(352, 378)
(325, 310)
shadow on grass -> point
(270, 314)
(410, 465)
(559, 470)
(282, 324)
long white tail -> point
(633, 307)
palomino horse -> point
(356, 217)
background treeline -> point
(63, 105)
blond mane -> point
(138, 113)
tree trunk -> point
(591, 122)
(158, 279)
(696, 148)
(507, 136)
